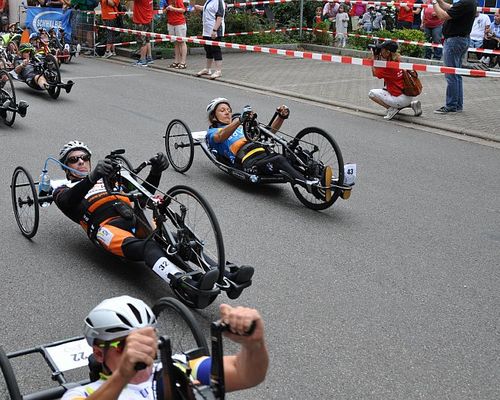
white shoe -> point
(486, 60)
(204, 71)
(108, 54)
(216, 74)
(416, 106)
(391, 112)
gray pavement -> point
(347, 86)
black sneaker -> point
(444, 110)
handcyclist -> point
(26, 71)
(225, 136)
(121, 331)
(109, 219)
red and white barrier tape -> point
(315, 56)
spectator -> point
(356, 12)
(213, 29)
(176, 23)
(405, 16)
(492, 41)
(391, 96)
(433, 29)
(109, 10)
(142, 17)
(417, 16)
(341, 23)
(317, 17)
(378, 22)
(458, 20)
(367, 21)
(330, 11)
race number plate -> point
(349, 174)
(70, 355)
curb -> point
(413, 120)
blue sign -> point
(46, 17)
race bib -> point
(104, 236)
(349, 174)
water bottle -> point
(44, 186)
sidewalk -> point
(347, 86)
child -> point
(317, 18)
(341, 22)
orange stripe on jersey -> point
(114, 245)
(95, 205)
(237, 145)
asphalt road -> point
(392, 294)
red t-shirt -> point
(404, 15)
(431, 20)
(143, 12)
(175, 17)
(393, 79)
(107, 9)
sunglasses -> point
(118, 345)
(74, 159)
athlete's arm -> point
(67, 198)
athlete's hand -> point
(283, 111)
(140, 347)
(240, 321)
(159, 163)
(246, 113)
(103, 168)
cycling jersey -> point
(229, 147)
(200, 370)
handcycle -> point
(309, 152)
(180, 220)
(9, 108)
(184, 343)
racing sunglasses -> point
(118, 345)
(74, 159)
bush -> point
(324, 38)
(409, 50)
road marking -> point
(105, 76)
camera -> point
(376, 50)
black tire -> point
(7, 93)
(9, 376)
(328, 153)
(52, 75)
(202, 227)
(177, 322)
(110, 182)
(25, 202)
(179, 145)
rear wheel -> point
(25, 202)
(7, 97)
(179, 145)
(199, 237)
(318, 150)
(177, 322)
(52, 75)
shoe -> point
(107, 54)
(204, 71)
(416, 106)
(113, 54)
(140, 63)
(173, 65)
(181, 66)
(486, 60)
(240, 274)
(149, 60)
(216, 74)
(445, 110)
(207, 281)
(391, 112)
(68, 86)
(327, 182)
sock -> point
(163, 267)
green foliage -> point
(404, 34)
(288, 14)
(323, 38)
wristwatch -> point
(434, 1)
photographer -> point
(391, 96)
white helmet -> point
(214, 103)
(117, 317)
(70, 146)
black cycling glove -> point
(159, 163)
(103, 168)
(245, 113)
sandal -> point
(181, 66)
(173, 65)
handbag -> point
(411, 83)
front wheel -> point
(25, 202)
(175, 320)
(318, 149)
(114, 182)
(7, 97)
(198, 233)
(52, 75)
(179, 145)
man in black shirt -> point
(459, 19)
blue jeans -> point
(453, 52)
(434, 35)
